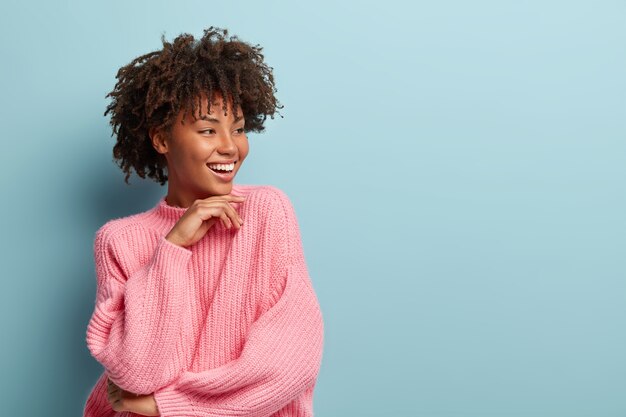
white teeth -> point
(223, 167)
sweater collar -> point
(167, 212)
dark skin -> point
(188, 148)
(208, 199)
(121, 400)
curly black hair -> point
(153, 88)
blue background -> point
(457, 169)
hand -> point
(201, 216)
(122, 400)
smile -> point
(222, 174)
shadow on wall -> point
(107, 196)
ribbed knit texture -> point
(229, 326)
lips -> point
(223, 162)
(223, 175)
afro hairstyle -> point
(154, 88)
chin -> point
(224, 188)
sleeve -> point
(97, 404)
(281, 356)
(137, 319)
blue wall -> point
(457, 169)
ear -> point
(158, 139)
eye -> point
(240, 130)
(207, 130)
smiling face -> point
(191, 147)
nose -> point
(226, 144)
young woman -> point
(204, 304)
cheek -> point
(199, 152)
(244, 147)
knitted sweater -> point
(229, 326)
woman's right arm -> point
(138, 316)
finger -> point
(220, 203)
(113, 389)
(233, 215)
(225, 197)
(234, 211)
(111, 383)
(225, 220)
(237, 199)
(221, 209)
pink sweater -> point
(230, 326)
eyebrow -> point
(214, 120)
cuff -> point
(172, 403)
(172, 253)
